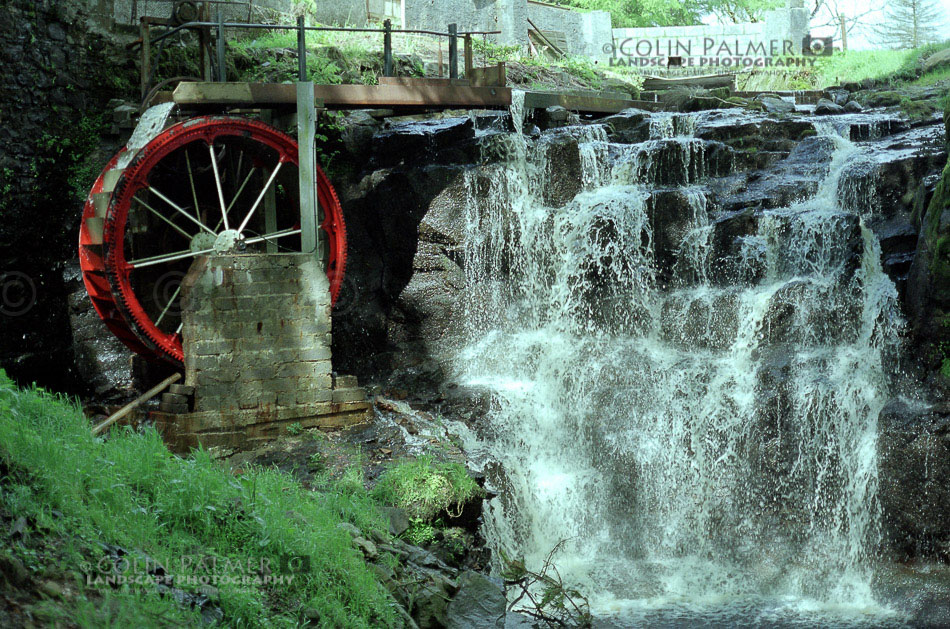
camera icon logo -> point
(817, 46)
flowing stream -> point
(703, 439)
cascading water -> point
(705, 440)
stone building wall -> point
(256, 332)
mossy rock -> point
(882, 99)
(917, 108)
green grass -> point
(854, 66)
(129, 491)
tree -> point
(637, 13)
(834, 13)
(910, 23)
(738, 11)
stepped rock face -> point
(434, 245)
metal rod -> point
(250, 212)
(222, 61)
(453, 52)
(164, 218)
(179, 209)
(388, 48)
(217, 181)
(301, 48)
(285, 27)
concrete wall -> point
(341, 12)
(508, 16)
(587, 33)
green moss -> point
(917, 108)
(883, 99)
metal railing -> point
(219, 27)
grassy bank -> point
(80, 505)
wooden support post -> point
(128, 408)
(469, 57)
(307, 167)
(144, 31)
(222, 59)
(453, 52)
(388, 48)
(301, 49)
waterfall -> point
(700, 439)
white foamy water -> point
(706, 447)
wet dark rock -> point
(480, 602)
(853, 107)
(359, 127)
(826, 107)
(629, 126)
(563, 161)
(416, 140)
(553, 117)
(777, 105)
(837, 95)
(914, 447)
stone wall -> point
(256, 332)
(129, 11)
(56, 133)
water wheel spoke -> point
(272, 236)
(164, 218)
(168, 305)
(181, 210)
(260, 197)
(217, 183)
(191, 179)
(167, 257)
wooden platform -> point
(400, 93)
(435, 95)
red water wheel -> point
(206, 186)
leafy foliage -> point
(424, 489)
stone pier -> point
(256, 335)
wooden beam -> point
(585, 103)
(419, 81)
(489, 76)
(128, 408)
(707, 81)
(343, 96)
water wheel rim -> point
(196, 131)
